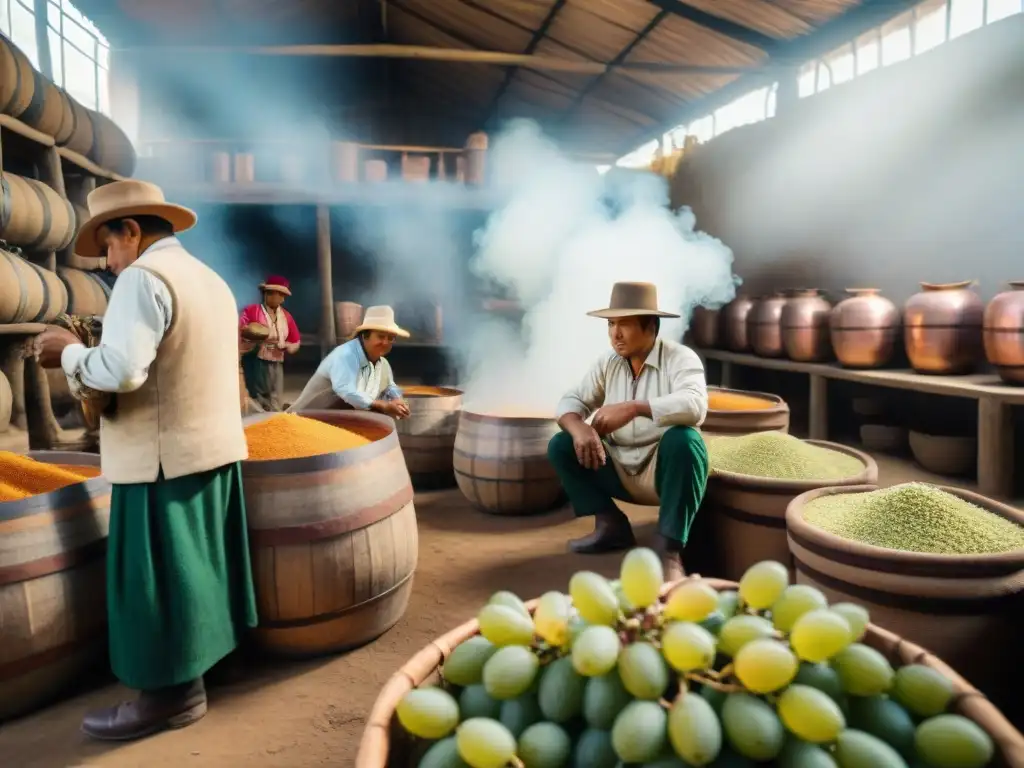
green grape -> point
(810, 714)
(713, 623)
(692, 600)
(863, 671)
(505, 626)
(551, 618)
(594, 750)
(856, 749)
(576, 625)
(643, 671)
(885, 719)
(642, 577)
(694, 730)
(762, 584)
(819, 635)
(474, 701)
(544, 745)
(596, 651)
(728, 603)
(509, 600)
(639, 732)
(518, 714)
(430, 712)
(953, 741)
(510, 672)
(624, 605)
(688, 647)
(603, 699)
(794, 602)
(764, 666)
(485, 743)
(560, 695)
(594, 598)
(443, 754)
(752, 727)
(740, 630)
(822, 677)
(922, 690)
(800, 754)
(465, 665)
(856, 615)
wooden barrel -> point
(34, 216)
(347, 317)
(737, 412)
(385, 744)
(29, 293)
(747, 514)
(88, 293)
(6, 402)
(17, 79)
(334, 540)
(53, 615)
(501, 463)
(112, 150)
(67, 125)
(81, 137)
(49, 111)
(427, 436)
(87, 263)
(966, 607)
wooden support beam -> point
(328, 335)
(722, 26)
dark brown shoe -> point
(612, 532)
(152, 712)
(671, 558)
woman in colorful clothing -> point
(263, 363)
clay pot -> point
(765, 326)
(864, 329)
(942, 328)
(805, 330)
(706, 328)
(735, 323)
(1003, 333)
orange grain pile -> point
(732, 401)
(287, 436)
(422, 390)
(22, 477)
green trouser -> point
(179, 582)
(680, 478)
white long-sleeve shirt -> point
(355, 379)
(138, 316)
(671, 381)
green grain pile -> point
(781, 457)
(915, 518)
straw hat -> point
(381, 318)
(277, 283)
(630, 300)
(124, 199)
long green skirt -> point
(179, 582)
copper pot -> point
(735, 323)
(1003, 333)
(706, 327)
(347, 316)
(942, 328)
(864, 329)
(805, 332)
(765, 326)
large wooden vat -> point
(427, 436)
(501, 463)
(730, 413)
(88, 293)
(53, 616)
(112, 150)
(334, 540)
(35, 216)
(17, 79)
(29, 293)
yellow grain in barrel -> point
(288, 436)
(24, 477)
(719, 400)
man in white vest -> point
(179, 582)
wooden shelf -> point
(14, 125)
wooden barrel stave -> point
(49, 110)
(35, 217)
(427, 436)
(29, 293)
(334, 541)
(112, 150)
(88, 293)
(17, 81)
(87, 263)
(81, 137)
(52, 589)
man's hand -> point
(396, 409)
(609, 418)
(589, 448)
(49, 345)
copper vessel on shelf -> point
(765, 325)
(706, 328)
(735, 324)
(1003, 333)
(805, 331)
(865, 328)
(942, 328)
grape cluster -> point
(610, 676)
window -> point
(703, 129)
(965, 16)
(80, 55)
(640, 157)
(930, 27)
(747, 109)
(1000, 9)
(18, 23)
(896, 41)
(841, 64)
(868, 52)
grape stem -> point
(712, 683)
(517, 763)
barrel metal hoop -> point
(37, 106)
(47, 213)
(45, 308)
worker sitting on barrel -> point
(647, 397)
(263, 363)
(357, 374)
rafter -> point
(717, 24)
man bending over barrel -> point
(647, 396)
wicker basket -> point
(385, 745)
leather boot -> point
(612, 532)
(152, 712)
(671, 553)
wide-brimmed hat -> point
(277, 283)
(381, 318)
(124, 199)
(630, 300)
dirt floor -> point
(311, 713)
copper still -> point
(765, 325)
(805, 329)
(735, 324)
(864, 329)
(706, 328)
(942, 328)
(1003, 333)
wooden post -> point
(728, 375)
(995, 448)
(817, 419)
(328, 338)
(52, 175)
